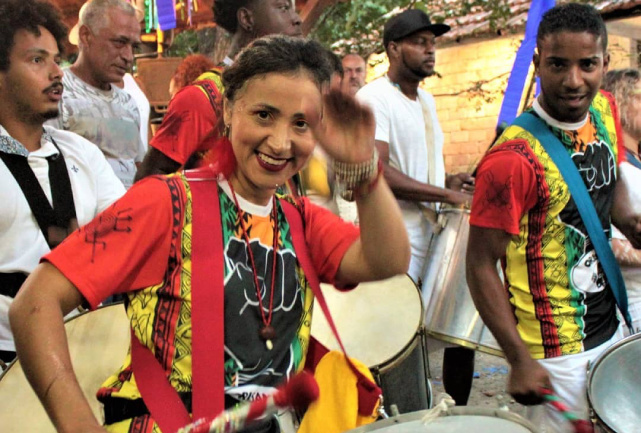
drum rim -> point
(400, 355)
(592, 368)
(83, 313)
(466, 343)
(454, 411)
(405, 351)
(447, 209)
(101, 307)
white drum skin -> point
(98, 344)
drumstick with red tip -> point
(579, 425)
(297, 393)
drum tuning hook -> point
(501, 402)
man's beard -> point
(51, 114)
(40, 118)
(26, 114)
(418, 72)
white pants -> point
(568, 375)
(635, 312)
(419, 245)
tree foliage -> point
(356, 26)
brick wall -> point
(468, 116)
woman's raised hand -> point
(346, 128)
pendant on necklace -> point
(268, 333)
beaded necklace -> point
(267, 332)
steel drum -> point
(455, 420)
(381, 325)
(614, 387)
(98, 344)
(450, 313)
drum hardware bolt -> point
(381, 408)
(501, 402)
(394, 409)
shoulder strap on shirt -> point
(369, 392)
(579, 193)
(207, 295)
(161, 399)
(207, 315)
(55, 222)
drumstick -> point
(579, 425)
(297, 393)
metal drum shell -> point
(450, 313)
(516, 423)
(618, 371)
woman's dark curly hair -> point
(225, 13)
(27, 15)
(280, 54)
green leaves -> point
(356, 26)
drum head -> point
(98, 344)
(376, 320)
(458, 420)
(614, 385)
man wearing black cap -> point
(410, 142)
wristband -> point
(357, 180)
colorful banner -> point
(166, 13)
(516, 82)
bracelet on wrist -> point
(357, 180)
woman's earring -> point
(227, 131)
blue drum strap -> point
(632, 159)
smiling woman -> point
(142, 246)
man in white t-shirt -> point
(410, 143)
(407, 144)
(92, 106)
(65, 178)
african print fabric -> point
(141, 246)
(559, 293)
(161, 317)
